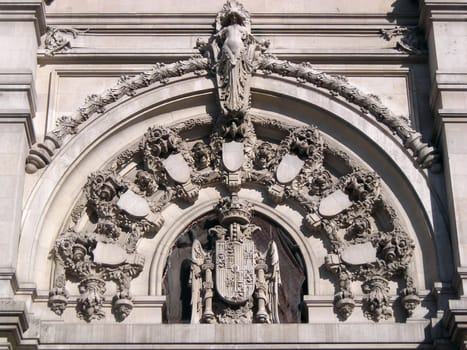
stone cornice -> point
(446, 82)
(33, 10)
(18, 83)
(442, 10)
(189, 23)
(409, 336)
(14, 321)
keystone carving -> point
(233, 54)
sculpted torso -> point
(233, 44)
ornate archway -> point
(235, 151)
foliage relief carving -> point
(232, 55)
(99, 245)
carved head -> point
(362, 185)
(320, 182)
(304, 141)
(102, 186)
(264, 155)
(202, 155)
(146, 182)
(360, 228)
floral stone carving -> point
(107, 253)
(123, 203)
(408, 39)
(58, 40)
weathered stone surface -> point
(369, 104)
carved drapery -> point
(368, 246)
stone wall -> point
(382, 82)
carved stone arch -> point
(165, 243)
(317, 157)
(196, 92)
(171, 231)
(62, 181)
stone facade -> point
(233, 175)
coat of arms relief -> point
(233, 281)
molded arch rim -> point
(170, 233)
(62, 181)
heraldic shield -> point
(233, 281)
(235, 270)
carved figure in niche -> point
(235, 282)
(234, 67)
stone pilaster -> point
(21, 25)
(446, 31)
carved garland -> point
(233, 54)
(123, 210)
(99, 245)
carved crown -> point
(232, 209)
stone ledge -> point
(409, 334)
(14, 320)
